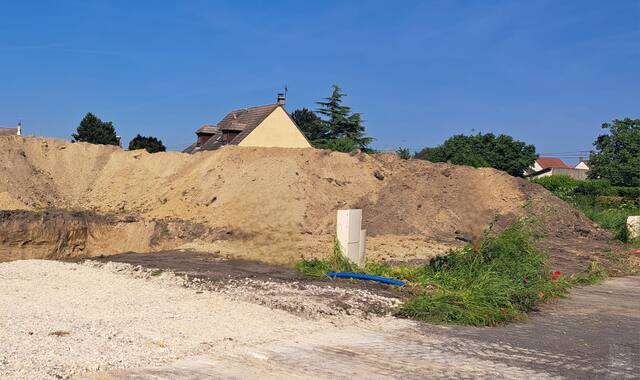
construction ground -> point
(118, 264)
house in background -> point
(548, 166)
(17, 131)
(262, 126)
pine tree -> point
(341, 123)
(95, 131)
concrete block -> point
(633, 226)
(348, 225)
(362, 246)
(349, 234)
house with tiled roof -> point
(261, 126)
(548, 166)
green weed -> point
(496, 280)
(607, 205)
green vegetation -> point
(617, 154)
(95, 131)
(606, 204)
(333, 125)
(156, 272)
(500, 152)
(403, 153)
(150, 144)
(487, 283)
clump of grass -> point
(613, 219)
(490, 282)
(156, 272)
(595, 274)
(486, 284)
(607, 205)
(337, 262)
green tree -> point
(403, 153)
(95, 131)
(617, 154)
(333, 125)
(151, 144)
(483, 150)
(340, 122)
(340, 144)
(310, 124)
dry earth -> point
(270, 204)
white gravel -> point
(61, 319)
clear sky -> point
(547, 72)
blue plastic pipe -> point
(367, 277)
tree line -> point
(95, 131)
(616, 154)
(333, 125)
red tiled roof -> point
(552, 162)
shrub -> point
(595, 187)
(149, 143)
(609, 201)
(564, 187)
(614, 220)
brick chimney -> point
(281, 99)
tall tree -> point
(483, 150)
(151, 144)
(617, 154)
(95, 131)
(310, 124)
(333, 125)
(341, 123)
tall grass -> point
(608, 206)
(488, 283)
(485, 285)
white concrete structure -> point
(633, 225)
(351, 238)
(582, 165)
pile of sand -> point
(277, 202)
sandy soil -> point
(272, 204)
(61, 319)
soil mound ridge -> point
(278, 199)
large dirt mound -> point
(277, 202)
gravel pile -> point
(62, 319)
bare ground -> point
(116, 321)
(272, 205)
(595, 334)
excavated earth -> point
(70, 200)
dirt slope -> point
(275, 202)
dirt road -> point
(116, 321)
(595, 334)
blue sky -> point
(547, 72)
